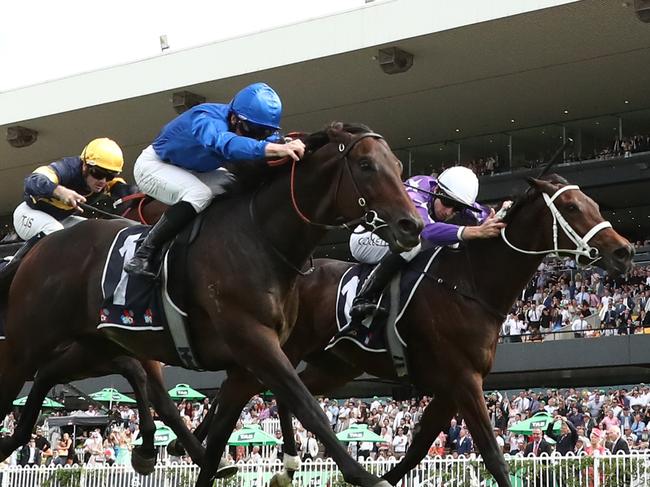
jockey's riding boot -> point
(365, 304)
(367, 299)
(170, 223)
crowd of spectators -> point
(491, 164)
(581, 303)
(593, 421)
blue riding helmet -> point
(259, 104)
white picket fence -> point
(606, 471)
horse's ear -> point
(532, 182)
(336, 133)
(539, 184)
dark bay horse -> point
(451, 332)
(243, 290)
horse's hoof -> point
(176, 448)
(143, 461)
(280, 480)
(225, 471)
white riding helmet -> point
(459, 184)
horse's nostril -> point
(409, 226)
(624, 252)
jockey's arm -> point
(214, 134)
(46, 182)
(42, 182)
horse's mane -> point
(253, 173)
(527, 195)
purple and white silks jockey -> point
(369, 248)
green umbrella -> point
(540, 420)
(48, 403)
(183, 391)
(163, 435)
(110, 395)
(252, 434)
(359, 432)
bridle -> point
(370, 219)
(583, 249)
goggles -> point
(254, 131)
(100, 173)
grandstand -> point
(542, 72)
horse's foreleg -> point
(468, 395)
(170, 415)
(264, 357)
(64, 365)
(201, 431)
(435, 418)
(143, 457)
(177, 447)
(12, 382)
(290, 458)
(236, 390)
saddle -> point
(395, 298)
(136, 304)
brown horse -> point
(452, 323)
(243, 290)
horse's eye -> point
(572, 207)
(366, 165)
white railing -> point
(605, 471)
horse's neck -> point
(279, 222)
(501, 273)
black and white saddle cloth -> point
(129, 303)
(352, 281)
(135, 303)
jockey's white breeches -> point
(368, 248)
(29, 222)
(171, 184)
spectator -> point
(63, 448)
(596, 445)
(400, 443)
(93, 449)
(453, 435)
(537, 445)
(465, 446)
(566, 441)
(618, 444)
(30, 455)
(310, 447)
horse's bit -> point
(583, 249)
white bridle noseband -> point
(583, 249)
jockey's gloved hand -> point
(294, 150)
(69, 197)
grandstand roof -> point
(478, 65)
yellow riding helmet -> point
(104, 153)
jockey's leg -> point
(169, 225)
(31, 225)
(29, 222)
(366, 303)
(367, 298)
(189, 193)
